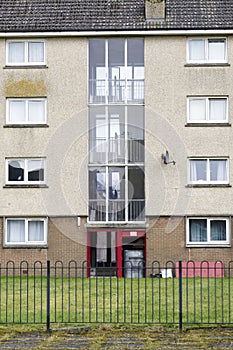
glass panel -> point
(35, 231)
(35, 170)
(197, 109)
(97, 194)
(135, 134)
(198, 170)
(135, 57)
(16, 52)
(218, 109)
(101, 247)
(97, 135)
(197, 230)
(15, 231)
(196, 50)
(116, 134)
(97, 71)
(36, 111)
(217, 50)
(218, 170)
(36, 52)
(218, 230)
(17, 111)
(136, 194)
(116, 194)
(16, 170)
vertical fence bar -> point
(180, 296)
(48, 296)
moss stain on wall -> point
(25, 88)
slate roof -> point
(101, 15)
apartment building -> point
(116, 135)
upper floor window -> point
(20, 171)
(25, 52)
(207, 231)
(116, 71)
(208, 171)
(26, 111)
(207, 50)
(207, 109)
(26, 231)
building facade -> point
(116, 134)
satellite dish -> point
(166, 159)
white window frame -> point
(26, 101)
(209, 242)
(207, 109)
(27, 242)
(207, 181)
(25, 181)
(26, 53)
(206, 51)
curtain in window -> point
(35, 52)
(218, 230)
(17, 111)
(216, 50)
(15, 231)
(16, 170)
(35, 170)
(218, 170)
(35, 231)
(217, 109)
(197, 109)
(198, 170)
(197, 50)
(36, 111)
(16, 52)
(101, 247)
(198, 230)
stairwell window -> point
(25, 171)
(26, 111)
(25, 52)
(208, 171)
(207, 231)
(207, 50)
(25, 231)
(207, 109)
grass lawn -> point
(116, 300)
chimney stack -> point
(155, 9)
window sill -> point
(26, 126)
(227, 245)
(207, 64)
(28, 66)
(25, 186)
(25, 246)
(208, 125)
(207, 185)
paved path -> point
(117, 339)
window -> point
(26, 111)
(207, 50)
(25, 171)
(207, 109)
(25, 53)
(208, 171)
(31, 231)
(202, 231)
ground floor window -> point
(26, 231)
(208, 231)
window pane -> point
(17, 111)
(16, 52)
(16, 170)
(35, 170)
(36, 111)
(197, 50)
(36, 231)
(217, 49)
(218, 170)
(198, 170)
(35, 52)
(15, 231)
(198, 230)
(218, 230)
(217, 109)
(197, 109)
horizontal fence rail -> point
(181, 293)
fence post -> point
(180, 296)
(48, 297)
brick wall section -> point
(166, 240)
